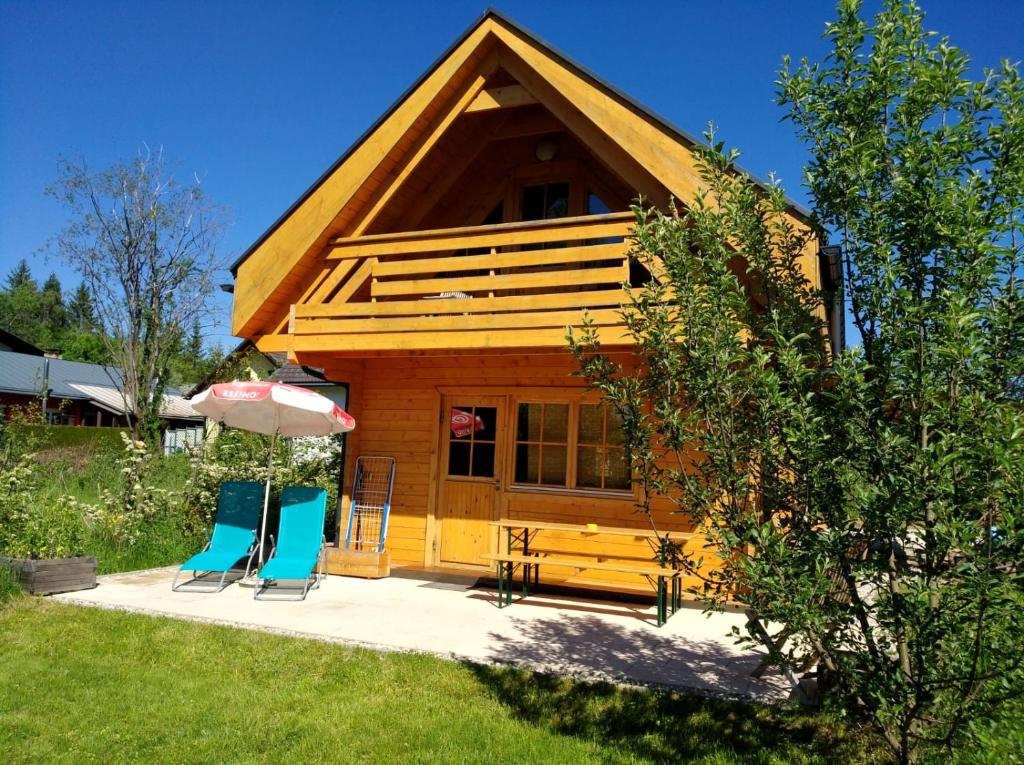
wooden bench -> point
(668, 602)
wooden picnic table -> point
(510, 558)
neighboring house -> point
(77, 393)
(246, 362)
(434, 267)
(15, 344)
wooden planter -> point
(46, 577)
(369, 565)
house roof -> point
(11, 342)
(657, 147)
(296, 374)
(669, 126)
(22, 373)
(285, 371)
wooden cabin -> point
(434, 268)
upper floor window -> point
(544, 201)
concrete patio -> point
(447, 617)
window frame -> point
(573, 403)
(444, 466)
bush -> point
(33, 525)
(94, 491)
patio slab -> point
(590, 639)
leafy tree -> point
(870, 504)
(145, 247)
(84, 346)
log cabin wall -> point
(397, 404)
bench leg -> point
(501, 585)
(661, 600)
(508, 581)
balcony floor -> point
(445, 616)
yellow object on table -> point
(591, 527)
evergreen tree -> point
(20, 277)
(52, 316)
(19, 304)
(81, 312)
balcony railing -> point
(506, 285)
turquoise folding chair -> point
(299, 547)
(233, 538)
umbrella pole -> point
(266, 497)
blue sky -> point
(260, 98)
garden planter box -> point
(49, 576)
(368, 565)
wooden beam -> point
(294, 239)
(443, 182)
(403, 341)
(357, 280)
(600, 317)
(499, 282)
(328, 285)
(607, 149)
(426, 143)
(505, 97)
(498, 235)
(559, 256)
(528, 125)
(588, 299)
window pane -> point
(461, 422)
(526, 463)
(617, 469)
(458, 459)
(556, 423)
(488, 417)
(483, 460)
(533, 203)
(588, 468)
(528, 428)
(614, 427)
(596, 205)
(552, 470)
(590, 427)
(557, 201)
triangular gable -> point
(648, 152)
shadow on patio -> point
(661, 726)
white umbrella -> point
(272, 409)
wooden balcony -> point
(511, 285)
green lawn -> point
(84, 685)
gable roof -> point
(11, 342)
(640, 143)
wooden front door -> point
(470, 472)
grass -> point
(86, 685)
(10, 586)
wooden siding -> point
(397, 405)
